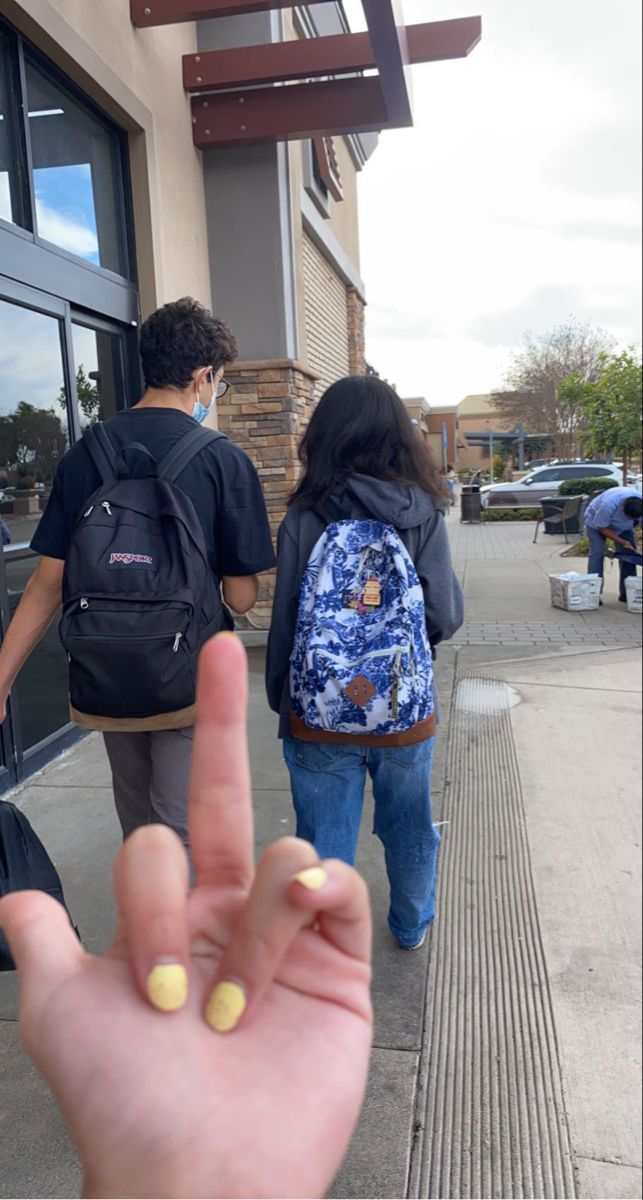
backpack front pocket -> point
(117, 670)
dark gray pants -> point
(150, 773)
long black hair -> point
(361, 426)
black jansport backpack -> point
(139, 596)
(24, 864)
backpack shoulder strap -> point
(101, 451)
(185, 450)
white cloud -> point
(30, 359)
(513, 201)
(69, 235)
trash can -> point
(470, 506)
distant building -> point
(438, 427)
(477, 415)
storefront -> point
(181, 147)
(68, 311)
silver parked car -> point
(528, 492)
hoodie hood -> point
(402, 505)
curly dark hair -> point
(179, 338)
(361, 425)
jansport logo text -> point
(128, 560)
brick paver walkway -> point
(473, 546)
(501, 540)
(574, 629)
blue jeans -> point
(597, 556)
(328, 792)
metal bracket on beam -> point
(387, 34)
(340, 54)
(303, 110)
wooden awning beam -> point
(310, 58)
(260, 112)
(301, 110)
(145, 13)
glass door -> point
(101, 357)
(58, 375)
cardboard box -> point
(634, 593)
(574, 592)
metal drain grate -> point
(491, 1117)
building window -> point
(63, 169)
(77, 174)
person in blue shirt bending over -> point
(613, 514)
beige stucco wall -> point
(343, 220)
(476, 414)
(135, 76)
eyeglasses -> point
(222, 386)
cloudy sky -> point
(515, 199)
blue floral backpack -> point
(361, 659)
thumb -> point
(43, 944)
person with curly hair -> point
(184, 350)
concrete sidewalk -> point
(507, 1051)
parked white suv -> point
(529, 491)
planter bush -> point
(509, 514)
(586, 487)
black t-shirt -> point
(221, 482)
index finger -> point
(220, 813)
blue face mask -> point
(200, 412)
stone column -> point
(266, 412)
(356, 349)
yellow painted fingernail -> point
(225, 1006)
(312, 878)
(227, 633)
(167, 986)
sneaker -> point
(417, 944)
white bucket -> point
(634, 593)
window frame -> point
(21, 52)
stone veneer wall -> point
(265, 412)
(356, 345)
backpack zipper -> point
(146, 637)
(104, 504)
(397, 651)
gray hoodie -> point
(422, 529)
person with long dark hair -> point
(365, 593)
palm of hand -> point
(117, 1066)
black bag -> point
(24, 864)
(139, 596)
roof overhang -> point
(309, 87)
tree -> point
(532, 396)
(31, 438)
(611, 406)
(88, 398)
